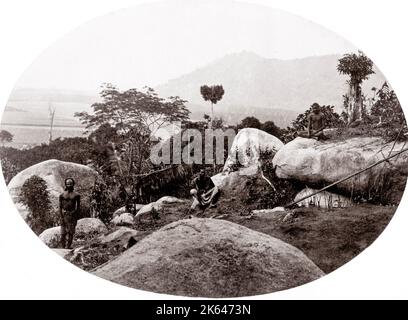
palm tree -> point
(213, 94)
(358, 67)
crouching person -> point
(205, 193)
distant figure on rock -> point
(205, 193)
(315, 124)
(99, 201)
(69, 206)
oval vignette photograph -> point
(204, 149)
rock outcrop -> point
(247, 147)
(168, 200)
(156, 207)
(89, 226)
(323, 199)
(320, 163)
(148, 209)
(125, 219)
(210, 258)
(51, 237)
(54, 172)
(120, 236)
(244, 156)
(123, 209)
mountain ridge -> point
(266, 88)
(260, 86)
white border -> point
(30, 270)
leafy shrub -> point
(36, 197)
(332, 120)
(8, 168)
(385, 119)
(388, 115)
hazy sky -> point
(150, 44)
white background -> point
(28, 269)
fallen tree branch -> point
(266, 179)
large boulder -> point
(247, 147)
(54, 172)
(121, 236)
(51, 237)
(318, 163)
(168, 200)
(244, 156)
(210, 258)
(323, 199)
(123, 210)
(89, 226)
(148, 210)
(125, 219)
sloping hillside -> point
(258, 86)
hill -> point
(270, 89)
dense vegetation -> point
(121, 127)
(35, 196)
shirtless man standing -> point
(69, 205)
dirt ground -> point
(329, 238)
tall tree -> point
(358, 67)
(131, 118)
(212, 94)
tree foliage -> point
(357, 66)
(5, 136)
(212, 93)
(130, 109)
(250, 122)
(331, 117)
(388, 114)
(271, 128)
(79, 150)
(268, 126)
(125, 121)
(36, 197)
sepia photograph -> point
(211, 149)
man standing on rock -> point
(69, 206)
(205, 193)
(315, 124)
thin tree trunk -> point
(212, 115)
(350, 107)
(212, 142)
(52, 114)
